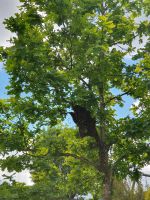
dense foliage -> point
(67, 58)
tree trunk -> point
(107, 188)
(104, 149)
(107, 174)
(87, 127)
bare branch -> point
(123, 48)
(146, 175)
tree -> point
(147, 194)
(60, 165)
(128, 189)
(66, 58)
(14, 191)
(57, 171)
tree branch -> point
(121, 42)
(120, 95)
(82, 159)
(146, 175)
(85, 83)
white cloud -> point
(146, 180)
(23, 177)
(146, 169)
(136, 104)
(7, 9)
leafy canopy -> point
(66, 58)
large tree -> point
(67, 57)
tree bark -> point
(107, 187)
(87, 127)
(106, 172)
(105, 168)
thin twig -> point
(116, 97)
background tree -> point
(127, 189)
(60, 169)
(14, 191)
(66, 58)
(147, 194)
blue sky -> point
(3, 82)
